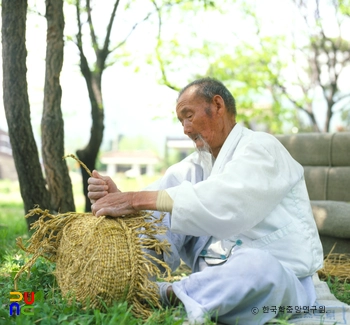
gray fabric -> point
(332, 218)
(335, 245)
(328, 183)
(341, 149)
(318, 149)
(338, 187)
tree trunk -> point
(88, 155)
(93, 79)
(16, 103)
(52, 129)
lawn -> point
(50, 307)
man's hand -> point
(118, 203)
(100, 186)
(114, 205)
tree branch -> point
(343, 97)
(159, 57)
(79, 34)
(130, 32)
(84, 65)
(91, 27)
(109, 27)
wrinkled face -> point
(200, 118)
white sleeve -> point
(248, 189)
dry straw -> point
(101, 260)
(336, 265)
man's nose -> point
(187, 127)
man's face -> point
(200, 119)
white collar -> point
(227, 148)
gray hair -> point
(207, 88)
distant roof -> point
(141, 157)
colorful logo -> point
(27, 309)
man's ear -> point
(219, 105)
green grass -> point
(340, 289)
(12, 225)
(50, 307)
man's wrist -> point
(144, 200)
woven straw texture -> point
(101, 260)
(336, 266)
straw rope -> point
(336, 265)
(100, 260)
(79, 161)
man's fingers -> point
(112, 204)
(96, 174)
(109, 211)
(96, 195)
(97, 188)
(100, 212)
(96, 181)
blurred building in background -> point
(132, 163)
(7, 164)
(177, 148)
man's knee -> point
(252, 261)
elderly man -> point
(239, 216)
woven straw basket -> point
(100, 260)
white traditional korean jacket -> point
(253, 194)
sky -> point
(132, 100)
(135, 103)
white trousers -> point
(244, 290)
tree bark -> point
(93, 79)
(88, 155)
(52, 125)
(16, 103)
